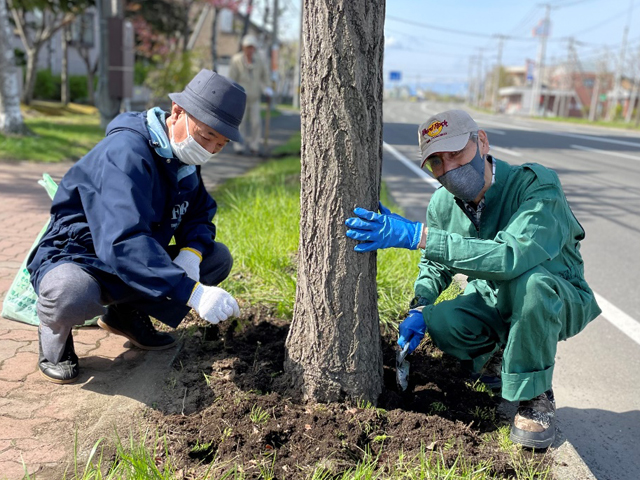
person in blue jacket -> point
(108, 249)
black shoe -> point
(66, 370)
(136, 326)
(535, 423)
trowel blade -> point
(402, 368)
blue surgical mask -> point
(467, 181)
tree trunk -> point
(245, 24)
(10, 115)
(30, 77)
(214, 40)
(64, 69)
(333, 347)
(91, 72)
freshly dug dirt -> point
(226, 406)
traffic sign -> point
(395, 76)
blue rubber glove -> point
(384, 230)
(412, 330)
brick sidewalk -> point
(39, 420)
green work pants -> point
(526, 315)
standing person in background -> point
(248, 69)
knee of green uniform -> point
(459, 327)
(535, 293)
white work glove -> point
(189, 261)
(213, 303)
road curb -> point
(568, 465)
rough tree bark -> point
(64, 69)
(333, 347)
(92, 69)
(10, 115)
(214, 39)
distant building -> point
(563, 92)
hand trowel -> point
(402, 368)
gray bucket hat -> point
(214, 100)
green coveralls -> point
(526, 287)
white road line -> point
(494, 131)
(623, 322)
(605, 152)
(411, 166)
(508, 151)
(626, 324)
(595, 139)
(563, 134)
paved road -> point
(597, 374)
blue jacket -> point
(117, 209)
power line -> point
(450, 30)
(423, 39)
(529, 17)
(604, 22)
(571, 4)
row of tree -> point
(161, 27)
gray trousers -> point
(70, 296)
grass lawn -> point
(60, 133)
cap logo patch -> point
(434, 129)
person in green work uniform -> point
(512, 232)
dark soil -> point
(224, 377)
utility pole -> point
(496, 77)
(108, 107)
(245, 26)
(471, 92)
(296, 73)
(265, 19)
(613, 104)
(480, 86)
(274, 48)
(537, 79)
(568, 80)
(635, 91)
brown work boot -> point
(534, 425)
(136, 326)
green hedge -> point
(48, 87)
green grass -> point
(59, 134)
(292, 147)
(145, 458)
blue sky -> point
(441, 58)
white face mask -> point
(189, 151)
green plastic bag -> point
(20, 302)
